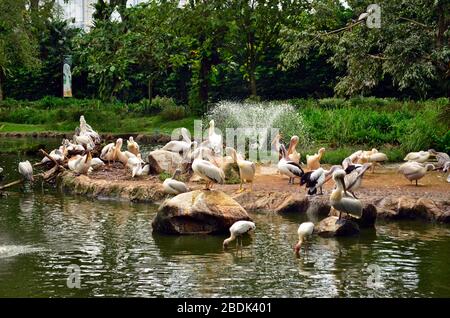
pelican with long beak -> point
(173, 186)
(26, 170)
(237, 230)
(80, 164)
(341, 200)
(247, 169)
(207, 171)
(215, 140)
(289, 168)
(292, 153)
(304, 231)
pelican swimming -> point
(316, 179)
(26, 170)
(237, 230)
(215, 140)
(313, 161)
(441, 158)
(80, 164)
(247, 169)
(304, 231)
(414, 171)
(353, 180)
(289, 168)
(420, 156)
(293, 155)
(173, 186)
(132, 146)
(207, 171)
(339, 198)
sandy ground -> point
(385, 181)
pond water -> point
(43, 232)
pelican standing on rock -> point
(289, 168)
(207, 171)
(313, 161)
(173, 186)
(247, 169)
(414, 170)
(304, 231)
(26, 170)
(237, 230)
(339, 198)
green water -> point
(42, 232)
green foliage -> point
(164, 175)
(173, 112)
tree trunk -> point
(150, 90)
(252, 64)
(205, 68)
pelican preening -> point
(353, 179)
(304, 231)
(421, 156)
(341, 200)
(374, 157)
(26, 170)
(292, 153)
(136, 166)
(316, 179)
(247, 169)
(133, 146)
(173, 186)
(207, 171)
(80, 164)
(414, 170)
(237, 230)
(313, 161)
(289, 168)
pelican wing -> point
(211, 171)
(109, 147)
(178, 186)
(377, 157)
(410, 168)
(294, 168)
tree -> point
(411, 47)
(17, 44)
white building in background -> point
(80, 12)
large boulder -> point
(329, 227)
(198, 212)
(164, 161)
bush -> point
(173, 112)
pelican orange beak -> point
(297, 248)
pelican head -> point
(321, 150)
(119, 142)
(131, 139)
(211, 123)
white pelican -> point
(56, 155)
(353, 180)
(80, 164)
(71, 148)
(293, 155)
(420, 156)
(86, 129)
(207, 171)
(26, 170)
(446, 169)
(173, 186)
(247, 169)
(354, 156)
(132, 146)
(215, 140)
(340, 200)
(372, 156)
(84, 140)
(441, 158)
(238, 229)
(313, 161)
(289, 168)
(316, 179)
(108, 152)
(178, 146)
(135, 165)
(414, 170)
(304, 231)
(96, 163)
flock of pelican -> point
(209, 164)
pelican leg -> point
(321, 191)
(416, 183)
